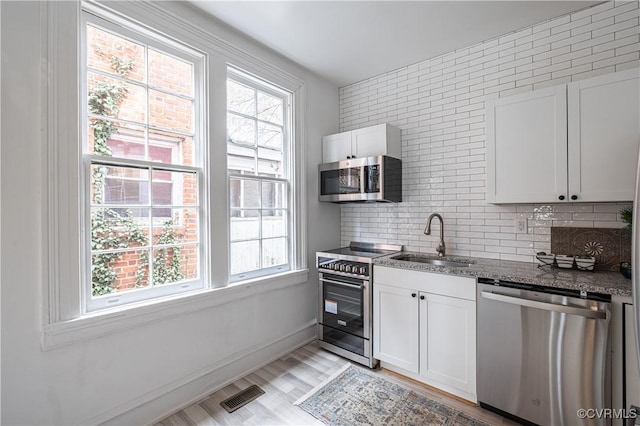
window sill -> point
(90, 326)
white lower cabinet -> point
(448, 342)
(396, 340)
(425, 328)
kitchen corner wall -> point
(439, 105)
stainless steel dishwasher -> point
(543, 354)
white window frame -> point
(258, 84)
(64, 318)
(133, 32)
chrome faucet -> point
(427, 231)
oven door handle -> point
(361, 286)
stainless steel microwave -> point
(377, 178)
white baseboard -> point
(173, 397)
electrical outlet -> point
(521, 225)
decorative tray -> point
(582, 263)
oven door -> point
(343, 304)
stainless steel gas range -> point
(345, 299)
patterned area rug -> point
(356, 397)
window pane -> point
(175, 226)
(163, 187)
(110, 97)
(241, 98)
(241, 130)
(173, 264)
(270, 136)
(256, 148)
(109, 53)
(119, 228)
(274, 223)
(169, 73)
(244, 225)
(119, 185)
(168, 147)
(241, 159)
(245, 193)
(274, 252)
(244, 256)
(174, 188)
(270, 108)
(119, 272)
(270, 163)
(273, 195)
(170, 112)
(114, 139)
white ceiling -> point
(349, 41)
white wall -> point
(145, 372)
(439, 105)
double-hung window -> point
(259, 173)
(142, 172)
(150, 209)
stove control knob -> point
(363, 270)
(347, 268)
(342, 267)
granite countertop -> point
(612, 283)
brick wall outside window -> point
(164, 111)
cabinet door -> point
(448, 344)
(382, 139)
(336, 147)
(527, 147)
(604, 134)
(395, 326)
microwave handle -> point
(363, 179)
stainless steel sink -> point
(431, 260)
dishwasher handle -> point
(544, 305)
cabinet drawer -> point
(429, 282)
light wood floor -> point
(287, 379)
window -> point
(137, 199)
(258, 161)
(143, 167)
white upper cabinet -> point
(604, 133)
(575, 142)
(382, 139)
(336, 147)
(527, 147)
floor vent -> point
(242, 398)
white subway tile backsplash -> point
(617, 60)
(595, 41)
(439, 105)
(547, 25)
(623, 25)
(628, 15)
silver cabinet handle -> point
(361, 286)
(544, 305)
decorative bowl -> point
(585, 263)
(546, 259)
(625, 269)
(564, 261)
